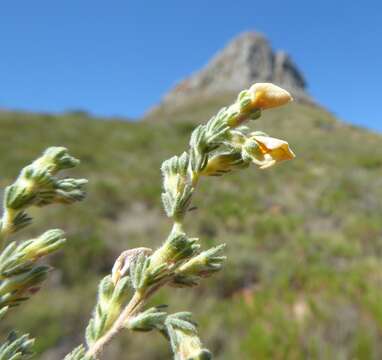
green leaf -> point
(16, 347)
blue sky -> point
(119, 57)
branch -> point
(215, 148)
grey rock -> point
(245, 60)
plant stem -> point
(6, 225)
(195, 179)
(131, 308)
(135, 303)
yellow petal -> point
(268, 95)
(278, 149)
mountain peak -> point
(247, 59)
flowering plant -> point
(221, 145)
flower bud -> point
(267, 95)
(177, 247)
(54, 159)
(45, 244)
(204, 264)
(223, 163)
(187, 345)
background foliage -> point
(304, 276)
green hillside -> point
(304, 275)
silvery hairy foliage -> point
(221, 145)
(21, 271)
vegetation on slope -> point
(304, 240)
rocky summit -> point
(247, 59)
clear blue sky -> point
(119, 57)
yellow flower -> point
(267, 95)
(266, 151)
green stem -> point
(177, 226)
(131, 308)
(6, 225)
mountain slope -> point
(303, 279)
